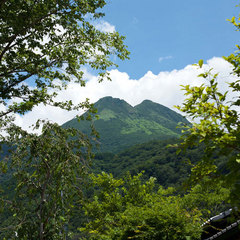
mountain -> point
(121, 125)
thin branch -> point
(8, 88)
(24, 29)
(5, 113)
(8, 46)
(20, 68)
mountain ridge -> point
(121, 125)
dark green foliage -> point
(120, 125)
(155, 158)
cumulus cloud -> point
(104, 26)
(163, 88)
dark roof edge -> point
(233, 225)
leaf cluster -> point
(129, 208)
(43, 47)
(48, 171)
(216, 124)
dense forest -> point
(153, 170)
(158, 159)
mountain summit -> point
(121, 125)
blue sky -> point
(176, 32)
(165, 38)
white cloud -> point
(160, 59)
(104, 26)
(163, 88)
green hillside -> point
(120, 125)
(156, 159)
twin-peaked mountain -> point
(121, 125)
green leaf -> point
(200, 63)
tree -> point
(217, 125)
(129, 208)
(43, 46)
(48, 173)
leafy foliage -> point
(157, 160)
(219, 124)
(130, 209)
(47, 177)
(44, 46)
(46, 43)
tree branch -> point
(24, 29)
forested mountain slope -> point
(120, 125)
(157, 159)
